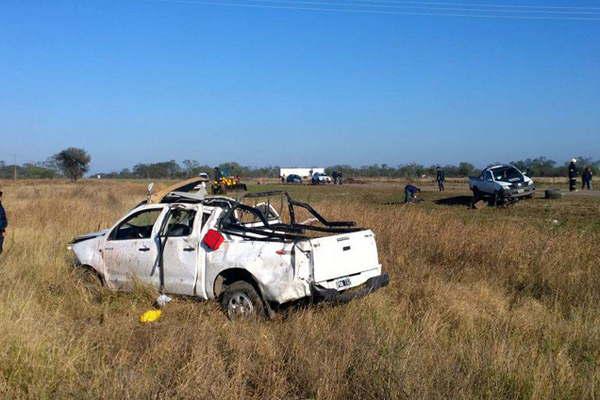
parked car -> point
(502, 183)
(243, 256)
(320, 178)
(293, 179)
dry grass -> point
(492, 304)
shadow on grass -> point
(456, 201)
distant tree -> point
(465, 169)
(190, 167)
(73, 162)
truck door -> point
(488, 182)
(130, 251)
(183, 257)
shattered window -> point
(137, 226)
(507, 174)
(181, 222)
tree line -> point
(73, 163)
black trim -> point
(279, 231)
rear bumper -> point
(320, 293)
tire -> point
(241, 301)
(88, 280)
(553, 194)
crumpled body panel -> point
(271, 264)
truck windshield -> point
(507, 174)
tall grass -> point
(478, 307)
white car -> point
(320, 178)
(502, 183)
(244, 256)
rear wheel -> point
(241, 301)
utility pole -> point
(15, 167)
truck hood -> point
(88, 236)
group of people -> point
(586, 176)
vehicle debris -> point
(243, 253)
(195, 186)
(150, 316)
(478, 205)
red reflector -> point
(213, 239)
(281, 252)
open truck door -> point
(183, 254)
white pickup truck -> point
(502, 183)
(242, 255)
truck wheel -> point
(88, 279)
(553, 194)
(241, 301)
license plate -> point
(521, 191)
(342, 283)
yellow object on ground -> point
(150, 316)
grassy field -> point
(492, 303)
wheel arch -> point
(230, 275)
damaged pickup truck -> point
(502, 184)
(243, 255)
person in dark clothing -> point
(337, 177)
(440, 178)
(573, 175)
(410, 193)
(3, 223)
(586, 179)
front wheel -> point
(241, 301)
(88, 280)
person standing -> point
(573, 175)
(586, 179)
(3, 223)
(440, 178)
(337, 177)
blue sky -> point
(139, 80)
